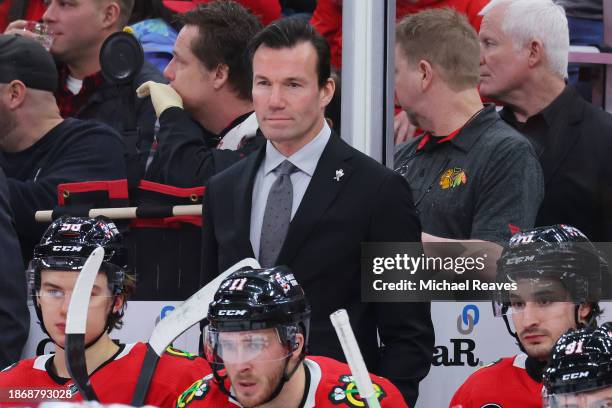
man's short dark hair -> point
(289, 32)
(225, 29)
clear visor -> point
(70, 264)
(582, 400)
(531, 295)
(221, 348)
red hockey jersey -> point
(501, 384)
(114, 381)
(331, 385)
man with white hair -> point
(523, 65)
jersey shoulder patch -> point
(197, 391)
(345, 392)
(180, 353)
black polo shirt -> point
(483, 183)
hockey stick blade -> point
(188, 313)
(341, 323)
(76, 324)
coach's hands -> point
(162, 96)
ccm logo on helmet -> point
(67, 248)
(575, 376)
(232, 312)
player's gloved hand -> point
(162, 96)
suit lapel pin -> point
(339, 174)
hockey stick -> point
(128, 213)
(341, 323)
(76, 324)
(180, 319)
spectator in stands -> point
(524, 53)
(306, 193)
(557, 275)
(472, 176)
(15, 321)
(209, 97)
(80, 28)
(39, 149)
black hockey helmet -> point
(67, 244)
(558, 252)
(581, 361)
(256, 299)
(69, 241)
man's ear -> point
(327, 91)
(112, 12)
(426, 71)
(536, 53)
(118, 302)
(14, 94)
(221, 76)
(298, 345)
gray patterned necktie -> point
(277, 215)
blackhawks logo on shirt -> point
(197, 391)
(346, 392)
(452, 178)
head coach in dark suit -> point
(308, 200)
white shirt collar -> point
(305, 159)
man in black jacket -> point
(206, 113)
(39, 149)
(526, 73)
(333, 198)
(14, 314)
(80, 28)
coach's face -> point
(541, 313)
(286, 95)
